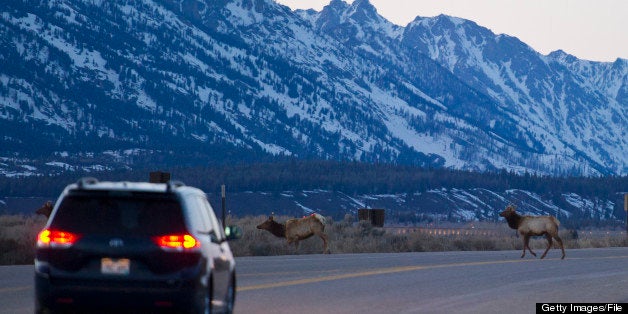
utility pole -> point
(626, 210)
(222, 190)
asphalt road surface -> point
(435, 282)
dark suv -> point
(134, 246)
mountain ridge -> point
(98, 85)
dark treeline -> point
(347, 177)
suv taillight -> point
(56, 238)
(177, 242)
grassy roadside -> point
(18, 234)
(350, 237)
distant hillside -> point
(409, 194)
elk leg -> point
(560, 242)
(526, 244)
(325, 247)
(549, 244)
(296, 244)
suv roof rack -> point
(173, 185)
(82, 182)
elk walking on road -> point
(295, 230)
(528, 226)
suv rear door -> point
(218, 247)
(116, 234)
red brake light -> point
(177, 242)
(56, 238)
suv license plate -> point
(110, 266)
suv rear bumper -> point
(176, 292)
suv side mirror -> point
(233, 232)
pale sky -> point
(588, 29)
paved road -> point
(449, 282)
(443, 282)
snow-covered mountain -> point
(570, 107)
(92, 84)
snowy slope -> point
(444, 205)
(572, 108)
(98, 85)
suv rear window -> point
(119, 213)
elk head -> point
(45, 210)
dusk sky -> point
(588, 29)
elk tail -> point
(555, 221)
(320, 218)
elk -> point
(528, 226)
(295, 230)
(45, 209)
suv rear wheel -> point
(231, 292)
(204, 301)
